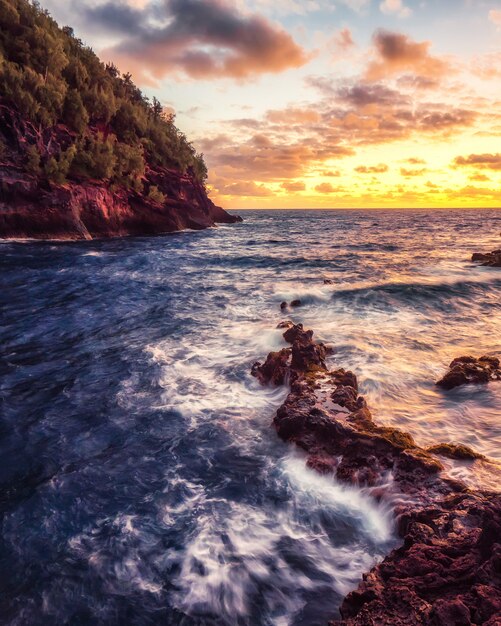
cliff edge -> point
(83, 153)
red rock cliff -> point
(33, 207)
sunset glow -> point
(320, 103)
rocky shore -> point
(34, 207)
(488, 259)
(448, 568)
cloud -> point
(240, 188)
(372, 169)
(415, 161)
(198, 38)
(293, 186)
(441, 120)
(343, 40)
(360, 94)
(409, 173)
(260, 158)
(396, 53)
(293, 115)
(396, 7)
(495, 17)
(482, 178)
(480, 161)
(327, 188)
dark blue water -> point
(140, 480)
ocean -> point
(141, 481)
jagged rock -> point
(488, 259)
(275, 368)
(448, 569)
(285, 324)
(469, 370)
(295, 303)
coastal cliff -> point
(83, 153)
(34, 206)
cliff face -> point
(32, 206)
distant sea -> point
(141, 481)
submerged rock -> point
(488, 259)
(469, 370)
(448, 570)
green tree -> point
(74, 113)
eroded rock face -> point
(469, 370)
(448, 570)
(33, 207)
(489, 259)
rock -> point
(295, 332)
(469, 370)
(440, 576)
(489, 259)
(33, 207)
(275, 368)
(295, 303)
(448, 569)
(328, 281)
(285, 324)
(455, 451)
(283, 305)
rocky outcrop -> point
(448, 570)
(447, 573)
(31, 206)
(489, 259)
(469, 370)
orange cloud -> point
(399, 54)
(326, 188)
(481, 161)
(480, 178)
(293, 186)
(411, 173)
(240, 188)
(372, 169)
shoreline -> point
(448, 530)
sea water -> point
(141, 481)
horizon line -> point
(486, 208)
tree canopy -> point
(51, 77)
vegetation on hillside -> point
(50, 77)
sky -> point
(319, 103)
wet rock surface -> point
(470, 370)
(489, 259)
(448, 570)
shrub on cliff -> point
(51, 77)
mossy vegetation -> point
(50, 77)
